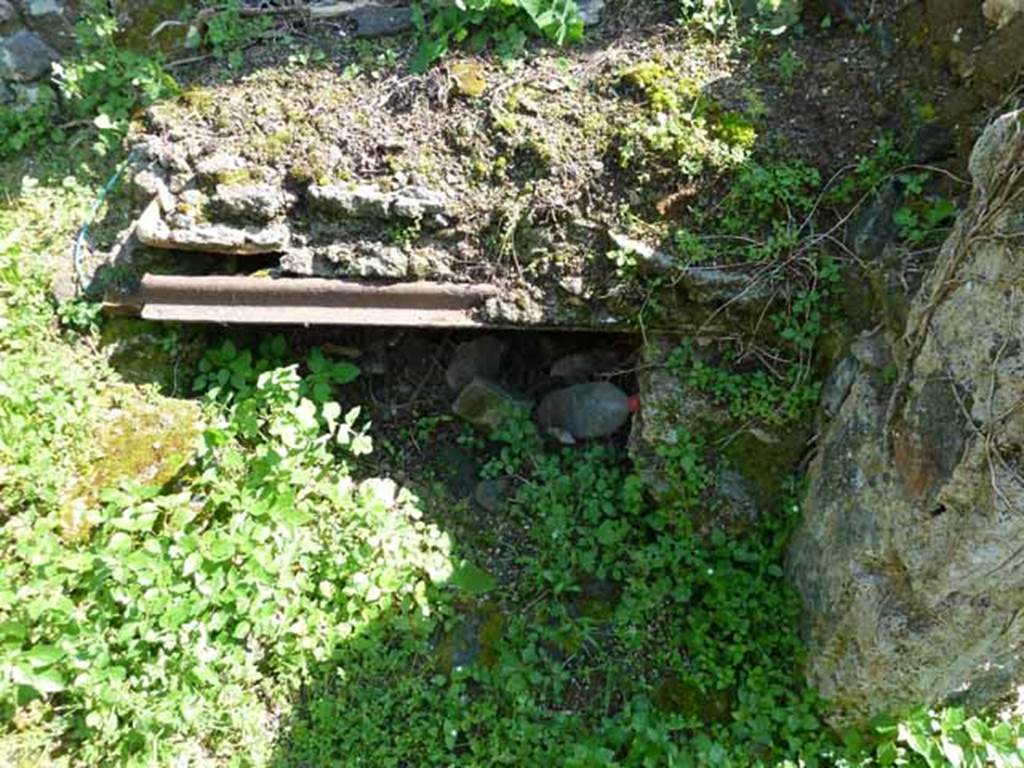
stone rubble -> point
(487, 405)
(153, 230)
(24, 57)
(371, 202)
(256, 203)
(480, 357)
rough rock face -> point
(910, 557)
(747, 461)
(1002, 12)
(33, 34)
(978, 41)
(25, 57)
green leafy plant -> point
(101, 86)
(30, 125)
(228, 33)
(719, 17)
(948, 737)
(519, 441)
(750, 395)
(179, 599)
(803, 321)
(789, 65)
(625, 262)
(777, 196)
(762, 217)
(106, 82)
(868, 173)
(690, 247)
(44, 418)
(712, 16)
(504, 23)
(80, 316)
(683, 466)
(923, 219)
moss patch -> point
(145, 439)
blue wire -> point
(83, 231)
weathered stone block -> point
(24, 57)
(486, 404)
(250, 202)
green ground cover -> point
(272, 603)
(254, 592)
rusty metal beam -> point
(309, 301)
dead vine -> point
(975, 225)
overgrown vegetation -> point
(754, 395)
(105, 82)
(684, 131)
(275, 603)
(507, 24)
(720, 17)
(184, 621)
(780, 217)
(100, 87)
(162, 629)
(228, 33)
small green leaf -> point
(473, 579)
(120, 542)
(13, 630)
(48, 681)
(220, 548)
(609, 532)
(43, 656)
(953, 752)
(331, 413)
(192, 564)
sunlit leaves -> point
(505, 23)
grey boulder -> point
(24, 57)
(909, 558)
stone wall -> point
(33, 34)
(910, 557)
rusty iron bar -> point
(309, 301)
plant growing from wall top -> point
(504, 23)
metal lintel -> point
(309, 301)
